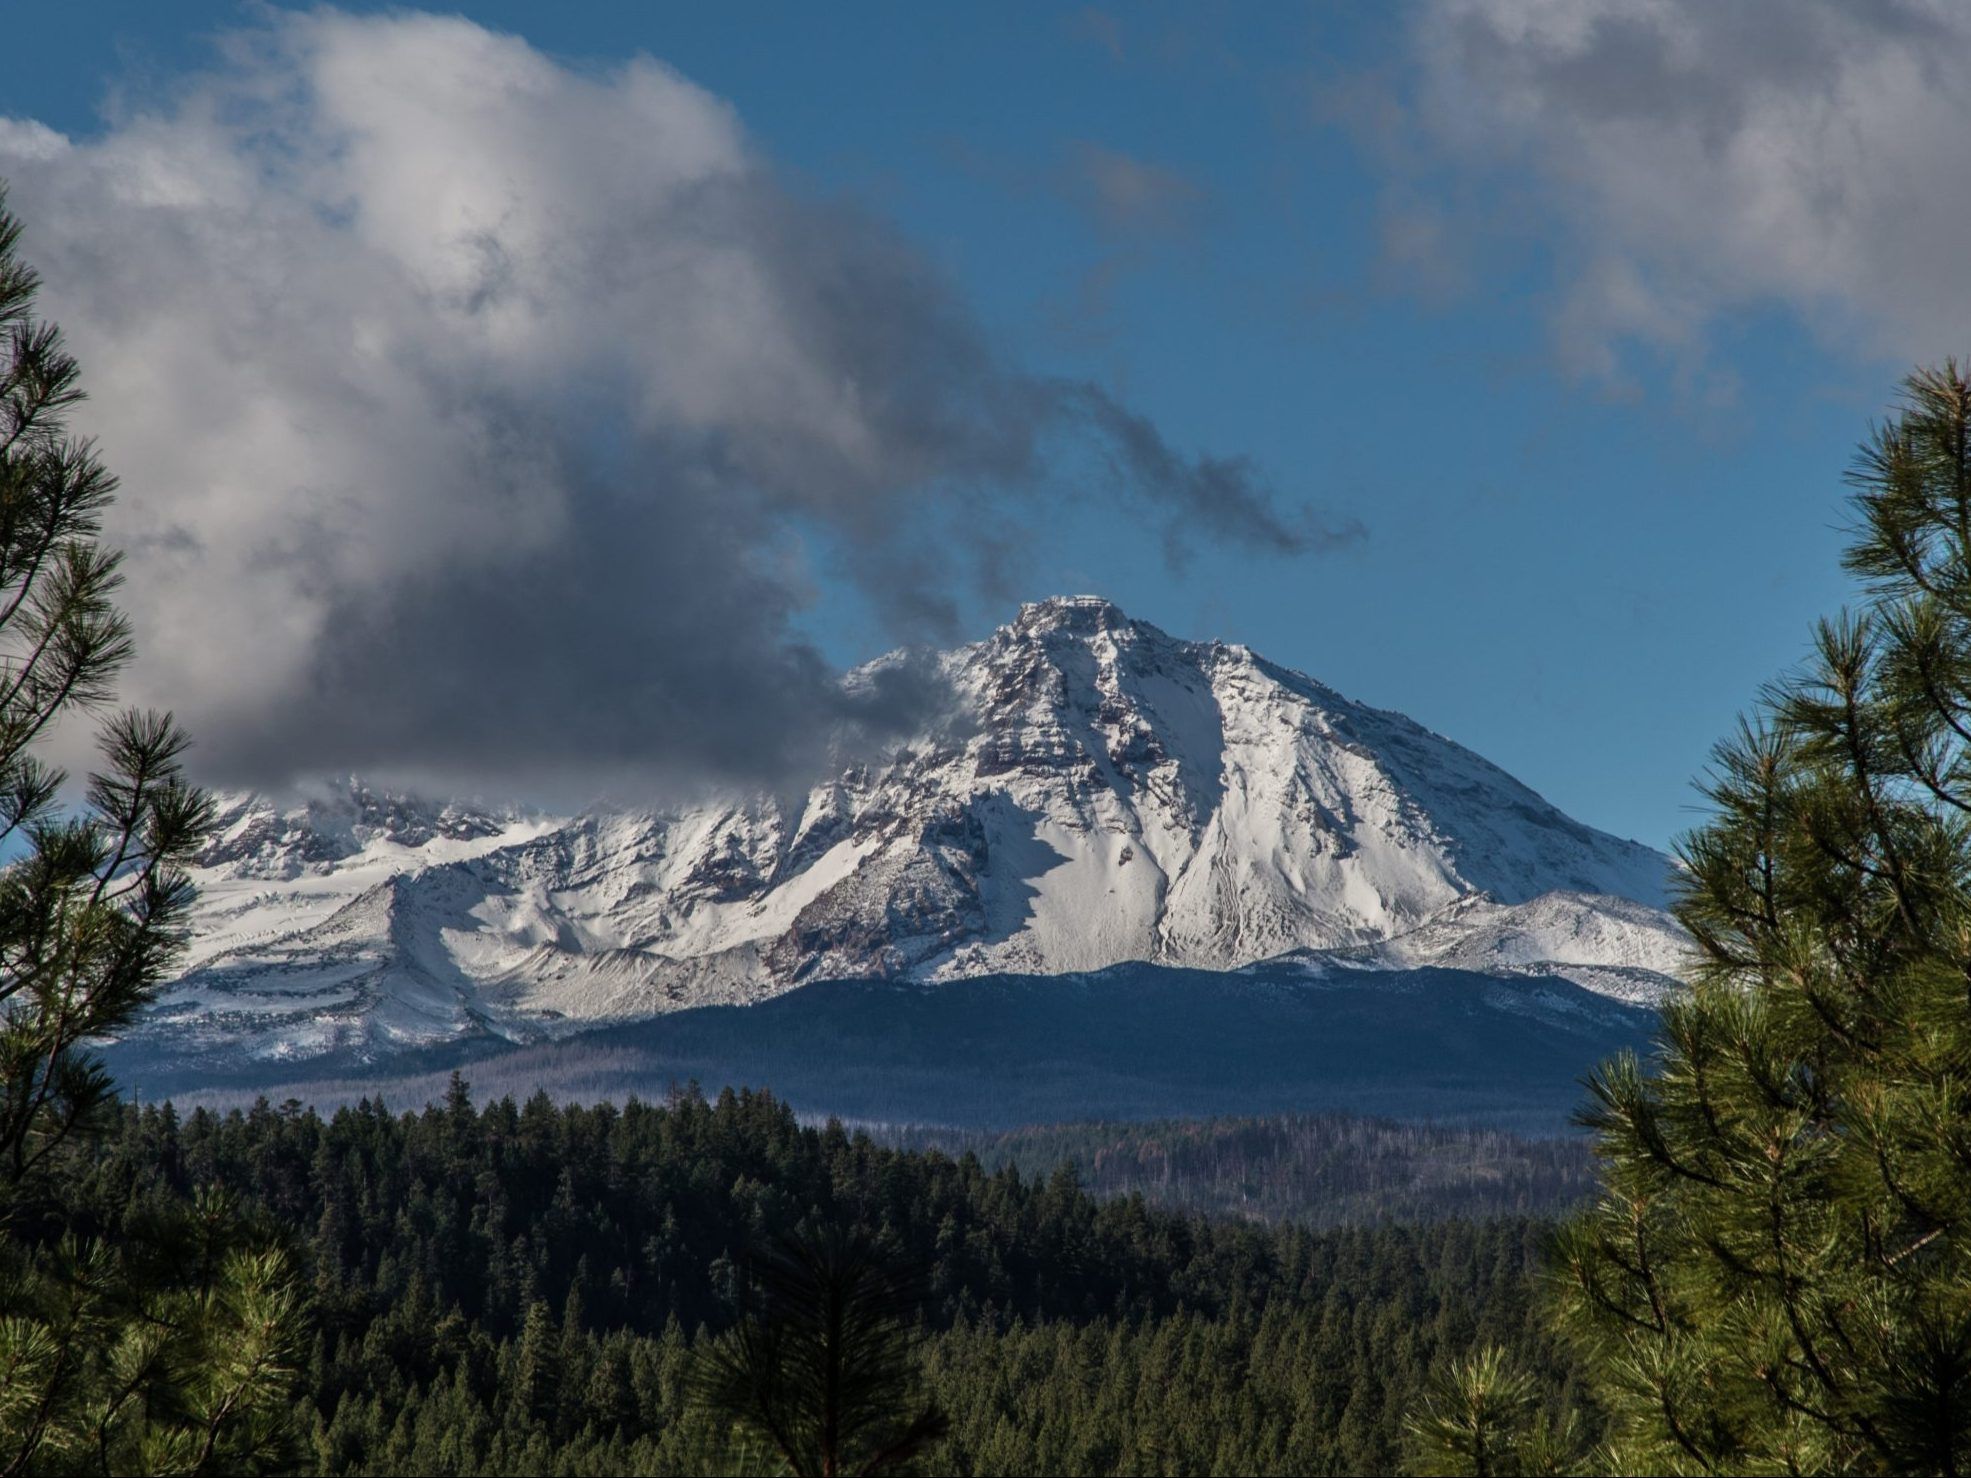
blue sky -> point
(1592, 424)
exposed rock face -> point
(1099, 793)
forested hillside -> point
(519, 1288)
(1322, 1170)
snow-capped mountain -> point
(1099, 793)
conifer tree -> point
(92, 913)
(1777, 1273)
(171, 1351)
(820, 1380)
(1482, 1418)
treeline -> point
(520, 1288)
(1319, 1169)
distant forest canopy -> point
(519, 1288)
(1323, 1170)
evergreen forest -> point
(523, 1289)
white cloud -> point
(1693, 159)
(473, 410)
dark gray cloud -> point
(488, 420)
(1221, 498)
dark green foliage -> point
(1481, 1418)
(170, 1347)
(90, 916)
(521, 1288)
(819, 1376)
(171, 1350)
(1778, 1273)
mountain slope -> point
(1099, 793)
(1130, 1042)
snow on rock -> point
(1100, 793)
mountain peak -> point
(1110, 794)
(1078, 614)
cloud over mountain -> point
(486, 417)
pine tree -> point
(1777, 1274)
(820, 1380)
(535, 1373)
(1482, 1419)
(120, 1358)
(171, 1351)
(90, 916)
